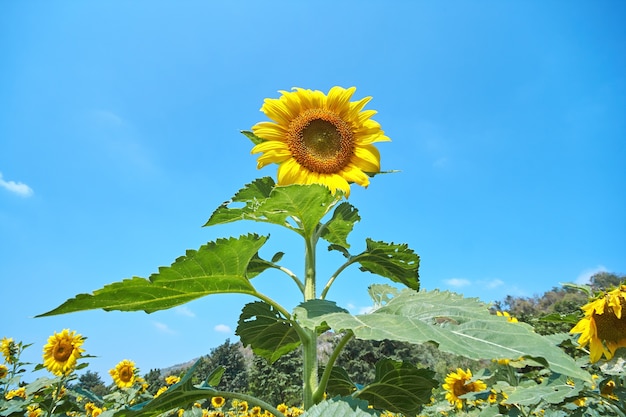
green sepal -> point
(218, 267)
(265, 329)
(253, 138)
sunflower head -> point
(460, 383)
(9, 350)
(62, 351)
(124, 374)
(603, 325)
(318, 138)
(218, 402)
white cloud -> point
(222, 328)
(184, 311)
(585, 276)
(163, 328)
(458, 282)
(494, 283)
(16, 187)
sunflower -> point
(319, 139)
(62, 351)
(9, 350)
(218, 402)
(458, 383)
(124, 374)
(172, 379)
(603, 326)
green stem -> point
(293, 276)
(319, 393)
(309, 336)
(334, 277)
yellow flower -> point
(458, 383)
(255, 411)
(172, 379)
(160, 391)
(507, 315)
(124, 374)
(181, 411)
(607, 390)
(319, 139)
(96, 411)
(218, 402)
(62, 351)
(20, 392)
(580, 402)
(282, 408)
(4, 371)
(603, 326)
(8, 349)
(242, 406)
(33, 411)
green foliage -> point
(229, 356)
(279, 382)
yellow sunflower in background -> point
(458, 384)
(603, 326)
(124, 374)
(319, 139)
(8, 349)
(218, 402)
(62, 351)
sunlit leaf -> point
(298, 207)
(308, 310)
(462, 326)
(268, 333)
(399, 387)
(340, 225)
(216, 268)
(394, 261)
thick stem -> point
(309, 339)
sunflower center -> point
(126, 374)
(320, 141)
(610, 328)
(62, 351)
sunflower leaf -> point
(399, 387)
(217, 267)
(338, 228)
(461, 326)
(340, 407)
(340, 382)
(553, 389)
(268, 333)
(297, 207)
(394, 261)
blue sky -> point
(119, 135)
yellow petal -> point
(366, 158)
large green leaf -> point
(337, 229)
(340, 407)
(390, 260)
(339, 382)
(268, 333)
(217, 267)
(553, 389)
(298, 207)
(462, 326)
(399, 387)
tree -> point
(230, 356)
(154, 380)
(279, 382)
(606, 280)
(91, 381)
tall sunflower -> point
(319, 139)
(603, 326)
(62, 351)
(460, 383)
(124, 374)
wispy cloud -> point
(222, 328)
(458, 282)
(585, 276)
(18, 188)
(184, 311)
(492, 283)
(163, 328)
